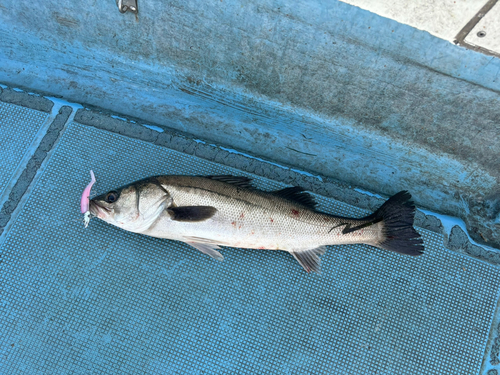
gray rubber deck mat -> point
(19, 128)
(104, 301)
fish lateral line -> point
(348, 229)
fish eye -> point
(111, 197)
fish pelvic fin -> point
(206, 247)
(397, 215)
(309, 259)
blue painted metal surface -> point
(323, 86)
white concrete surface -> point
(489, 24)
(442, 18)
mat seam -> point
(32, 167)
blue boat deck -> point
(104, 301)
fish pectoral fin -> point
(309, 259)
(206, 247)
(191, 213)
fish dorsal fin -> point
(296, 194)
(240, 181)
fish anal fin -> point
(240, 181)
(296, 194)
(309, 259)
(207, 248)
(191, 213)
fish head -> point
(134, 207)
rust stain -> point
(295, 212)
(242, 215)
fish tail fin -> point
(397, 215)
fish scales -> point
(213, 211)
(251, 218)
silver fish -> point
(208, 212)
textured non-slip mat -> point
(18, 129)
(104, 301)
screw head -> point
(481, 34)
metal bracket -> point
(127, 5)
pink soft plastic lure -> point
(84, 202)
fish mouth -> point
(98, 210)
